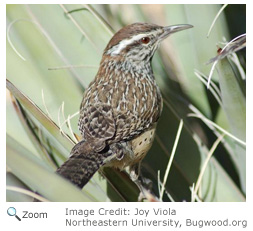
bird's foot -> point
(144, 184)
(120, 149)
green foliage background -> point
(41, 37)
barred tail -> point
(82, 164)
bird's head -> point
(139, 41)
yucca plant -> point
(53, 52)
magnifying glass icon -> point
(12, 212)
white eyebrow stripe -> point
(115, 50)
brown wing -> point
(97, 125)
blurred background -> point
(53, 52)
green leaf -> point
(12, 180)
(217, 184)
(234, 104)
(31, 171)
(120, 187)
(40, 116)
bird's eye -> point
(145, 40)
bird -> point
(121, 106)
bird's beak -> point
(168, 30)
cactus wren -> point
(121, 106)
